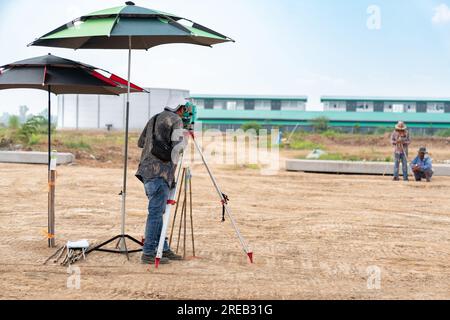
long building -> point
(347, 113)
(385, 104)
(249, 103)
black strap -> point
(154, 127)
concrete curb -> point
(350, 167)
(31, 157)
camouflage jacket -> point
(150, 167)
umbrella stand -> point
(121, 247)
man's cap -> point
(423, 150)
(401, 126)
(174, 109)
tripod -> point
(185, 190)
(223, 200)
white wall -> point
(95, 112)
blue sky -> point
(311, 47)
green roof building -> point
(352, 112)
(386, 104)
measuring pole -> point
(51, 199)
(224, 202)
(170, 203)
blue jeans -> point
(157, 192)
(423, 174)
(400, 157)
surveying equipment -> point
(189, 116)
(223, 198)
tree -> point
(14, 122)
(320, 124)
(252, 125)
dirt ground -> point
(314, 237)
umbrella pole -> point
(121, 247)
(125, 166)
(51, 180)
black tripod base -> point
(121, 241)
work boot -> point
(172, 255)
(150, 259)
(396, 179)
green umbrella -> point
(128, 27)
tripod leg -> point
(242, 241)
(181, 224)
(185, 212)
(176, 208)
(166, 219)
(190, 210)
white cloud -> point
(441, 14)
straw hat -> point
(401, 126)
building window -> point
(276, 105)
(209, 104)
(249, 105)
(231, 105)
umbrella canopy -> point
(111, 29)
(61, 76)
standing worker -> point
(422, 166)
(157, 172)
(400, 140)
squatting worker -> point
(158, 177)
(422, 166)
(400, 140)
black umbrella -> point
(61, 76)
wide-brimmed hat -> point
(401, 126)
(423, 150)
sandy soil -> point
(314, 236)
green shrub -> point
(77, 144)
(320, 124)
(445, 133)
(332, 157)
(14, 122)
(251, 126)
(34, 139)
(305, 145)
(330, 134)
(339, 157)
(29, 132)
(382, 131)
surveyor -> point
(156, 171)
(422, 166)
(400, 139)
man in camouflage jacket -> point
(158, 178)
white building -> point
(249, 103)
(100, 112)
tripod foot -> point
(250, 256)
